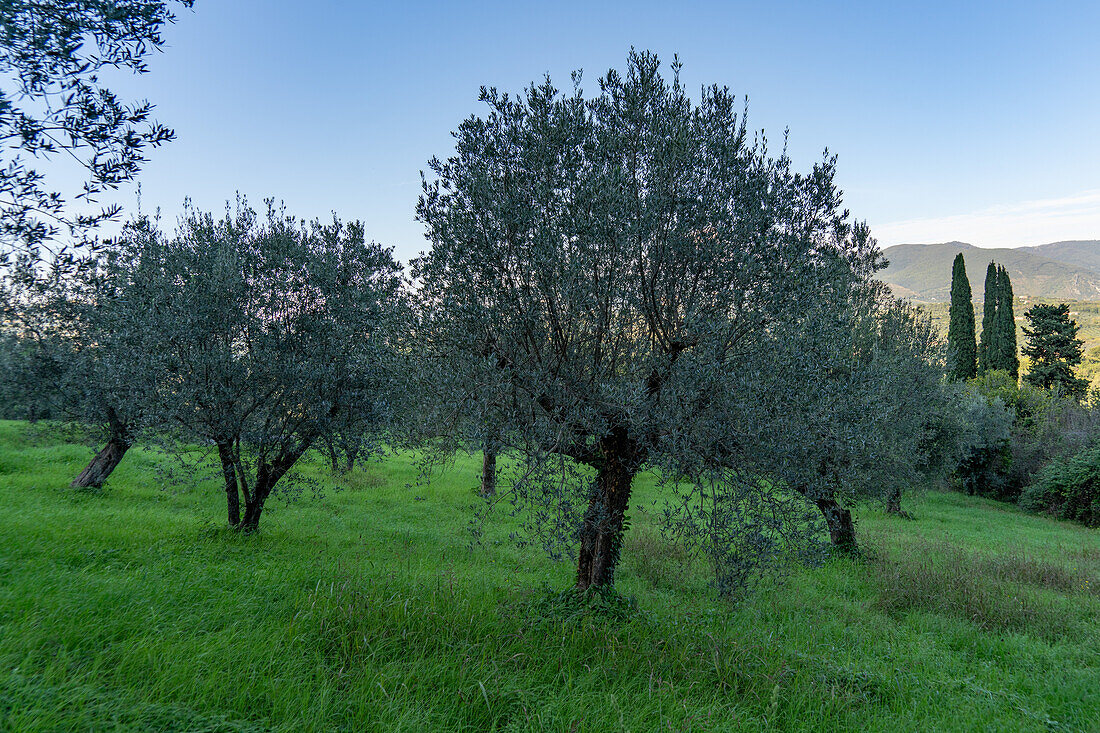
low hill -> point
(1060, 270)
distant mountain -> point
(1082, 253)
(1060, 270)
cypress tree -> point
(962, 351)
(987, 347)
(1007, 357)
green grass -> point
(131, 608)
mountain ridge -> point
(1066, 270)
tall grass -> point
(133, 609)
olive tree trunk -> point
(268, 473)
(104, 462)
(101, 465)
(232, 492)
(842, 530)
(489, 471)
(602, 526)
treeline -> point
(1037, 435)
(616, 283)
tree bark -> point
(268, 473)
(101, 465)
(893, 503)
(253, 508)
(842, 530)
(105, 461)
(489, 471)
(602, 526)
(232, 494)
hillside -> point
(1060, 270)
(1081, 253)
(368, 609)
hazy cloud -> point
(1012, 225)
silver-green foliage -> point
(259, 336)
(606, 273)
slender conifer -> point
(986, 348)
(962, 356)
(1007, 357)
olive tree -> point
(75, 365)
(599, 267)
(55, 106)
(862, 374)
(261, 337)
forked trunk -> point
(102, 464)
(602, 527)
(268, 473)
(842, 530)
(489, 471)
(252, 510)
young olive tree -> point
(599, 266)
(262, 337)
(862, 376)
(76, 365)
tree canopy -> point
(1054, 349)
(610, 264)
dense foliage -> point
(962, 350)
(1054, 349)
(1068, 488)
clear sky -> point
(977, 121)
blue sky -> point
(972, 121)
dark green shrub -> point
(1067, 488)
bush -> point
(986, 451)
(1042, 426)
(1067, 488)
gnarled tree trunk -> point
(253, 508)
(842, 530)
(101, 466)
(893, 504)
(105, 461)
(602, 526)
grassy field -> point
(131, 608)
